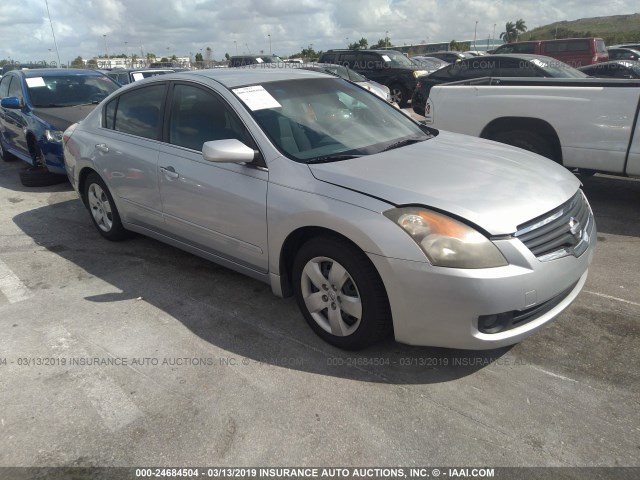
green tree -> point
(77, 62)
(453, 45)
(510, 33)
(383, 43)
(520, 27)
(92, 62)
(199, 57)
(227, 56)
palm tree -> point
(510, 32)
(520, 27)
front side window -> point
(138, 112)
(318, 120)
(15, 88)
(198, 116)
(4, 86)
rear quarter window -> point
(138, 112)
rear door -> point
(127, 153)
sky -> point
(88, 28)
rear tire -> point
(102, 209)
(527, 140)
(340, 293)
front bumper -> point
(440, 307)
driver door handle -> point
(101, 147)
(170, 172)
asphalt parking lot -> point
(137, 354)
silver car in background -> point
(376, 224)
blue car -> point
(36, 107)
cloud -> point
(186, 26)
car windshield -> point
(317, 120)
(558, 69)
(397, 59)
(69, 90)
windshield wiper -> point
(333, 158)
(403, 143)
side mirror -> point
(227, 151)
(11, 102)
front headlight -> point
(447, 242)
(419, 73)
(53, 136)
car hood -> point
(63, 117)
(495, 186)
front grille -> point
(561, 232)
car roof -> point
(54, 72)
(241, 76)
(376, 50)
(519, 56)
(128, 70)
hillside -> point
(614, 29)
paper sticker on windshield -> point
(35, 82)
(539, 63)
(259, 60)
(256, 97)
(137, 76)
(386, 58)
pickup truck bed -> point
(590, 124)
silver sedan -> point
(376, 224)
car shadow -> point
(615, 202)
(228, 310)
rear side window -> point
(524, 48)
(329, 58)
(138, 112)
(567, 46)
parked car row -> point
(378, 225)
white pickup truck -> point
(586, 124)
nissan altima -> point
(376, 224)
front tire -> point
(102, 209)
(340, 294)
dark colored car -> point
(615, 69)
(242, 60)
(126, 76)
(36, 107)
(388, 67)
(624, 54)
(491, 66)
(21, 66)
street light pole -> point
(493, 38)
(475, 33)
(386, 39)
(270, 52)
(235, 42)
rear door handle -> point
(170, 172)
(101, 147)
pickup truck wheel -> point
(340, 293)
(527, 141)
(399, 95)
